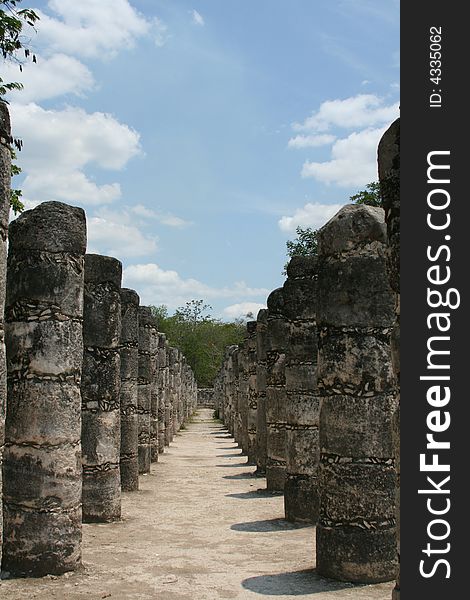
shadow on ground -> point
(259, 493)
(269, 525)
(297, 583)
(249, 475)
(244, 464)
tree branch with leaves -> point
(14, 48)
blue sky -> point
(197, 135)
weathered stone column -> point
(277, 339)
(231, 389)
(155, 394)
(162, 391)
(356, 532)
(101, 381)
(389, 175)
(129, 350)
(236, 394)
(168, 396)
(5, 181)
(252, 398)
(42, 469)
(243, 395)
(302, 400)
(144, 394)
(261, 431)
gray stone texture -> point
(100, 388)
(144, 387)
(252, 397)
(389, 176)
(43, 326)
(5, 180)
(168, 396)
(242, 434)
(261, 431)
(162, 392)
(302, 400)
(155, 394)
(129, 351)
(277, 339)
(356, 532)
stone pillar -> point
(277, 339)
(162, 391)
(42, 470)
(356, 532)
(261, 432)
(168, 396)
(302, 400)
(252, 398)
(236, 395)
(389, 175)
(129, 350)
(101, 381)
(155, 394)
(144, 394)
(243, 395)
(5, 181)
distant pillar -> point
(162, 392)
(356, 532)
(261, 432)
(101, 382)
(302, 401)
(277, 339)
(155, 394)
(42, 470)
(252, 397)
(129, 350)
(144, 395)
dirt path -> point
(200, 528)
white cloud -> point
(353, 160)
(92, 29)
(363, 110)
(242, 309)
(163, 218)
(114, 238)
(50, 77)
(159, 286)
(313, 215)
(61, 143)
(198, 19)
(311, 141)
(160, 32)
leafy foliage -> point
(199, 336)
(371, 195)
(12, 46)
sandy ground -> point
(202, 527)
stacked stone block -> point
(155, 394)
(145, 382)
(100, 389)
(356, 532)
(168, 395)
(162, 391)
(129, 351)
(261, 430)
(252, 398)
(242, 437)
(42, 462)
(5, 180)
(389, 175)
(302, 400)
(277, 338)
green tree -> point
(371, 195)
(14, 48)
(200, 337)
